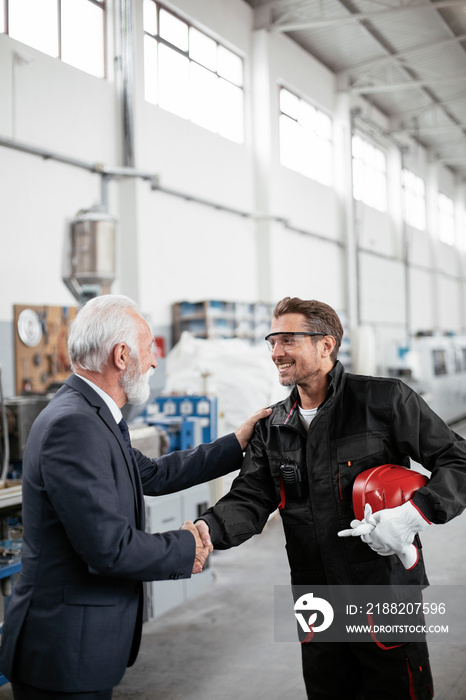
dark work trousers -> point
(366, 671)
(21, 691)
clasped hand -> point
(203, 546)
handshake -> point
(200, 532)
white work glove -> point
(390, 531)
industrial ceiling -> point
(407, 58)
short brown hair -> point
(320, 317)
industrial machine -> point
(442, 374)
(435, 366)
(188, 420)
(90, 266)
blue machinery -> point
(188, 420)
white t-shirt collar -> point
(307, 414)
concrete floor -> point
(220, 645)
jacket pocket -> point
(418, 667)
(354, 455)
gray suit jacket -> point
(75, 619)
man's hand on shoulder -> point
(245, 431)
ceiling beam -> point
(296, 26)
(416, 128)
(432, 107)
(397, 56)
(409, 85)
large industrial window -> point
(190, 74)
(446, 219)
(305, 138)
(414, 200)
(369, 174)
(72, 30)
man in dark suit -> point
(75, 619)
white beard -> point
(135, 384)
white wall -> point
(170, 249)
(190, 252)
(38, 198)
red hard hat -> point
(386, 486)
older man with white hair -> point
(75, 619)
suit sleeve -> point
(80, 479)
(185, 468)
(244, 511)
(422, 434)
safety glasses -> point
(287, 341)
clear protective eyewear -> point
(288, 341)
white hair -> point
(100, 325)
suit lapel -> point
(104, 413)
(134, 474)
(106, 416)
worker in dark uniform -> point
(333, 426)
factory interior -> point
(207, 158)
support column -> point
(128, 238)
(262, 149)
(432, 189)
(344, 187)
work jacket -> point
(363, 422)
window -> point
(72, 30)
(446, 219)
(305, 138)
(190, 74)
(414, 200)
(35, 24)
(79, 19)
(369, 174)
